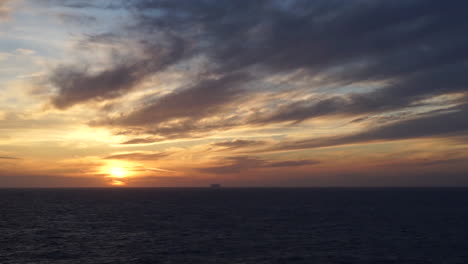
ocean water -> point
(234, 225)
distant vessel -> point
(215, 186)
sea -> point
(234, 225)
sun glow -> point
(118, 172)
(117, 183)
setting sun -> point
(118, 172)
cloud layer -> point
(237, 87)
(392, 55)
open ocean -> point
(234, 225)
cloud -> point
(180, 112)
(439, 162)
(9, 158)
(17, 120)
(138, 156)
(243, 163)
(79, 19)
(238, 143)
(318, 35)
(194, 102)
(235, 165)
(80, 84)
(25, 51)
(5, 9)
(147, 140)
(83, 4)
(391, 55)
(452, 123)
(399, 95)
(76, 85)
(293, 163)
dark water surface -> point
(234, 226)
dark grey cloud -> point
(138, 156)
(77, 85)
(410, 51)
(422, 50)
(318, 34)
(80, 84)
(243, 163)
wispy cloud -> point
(243, 163)
(440, 125)
(9, 158)
(237, 143)
(138, 156)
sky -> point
(290, 93)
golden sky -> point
(259, 93)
